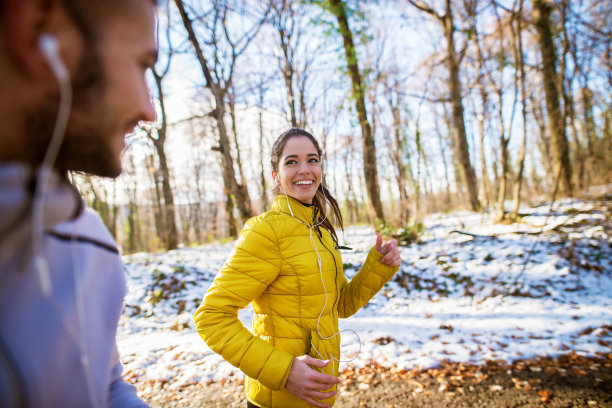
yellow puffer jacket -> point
(274, 265)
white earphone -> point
(48, 46)
(314, 245)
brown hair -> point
(88, 15)
(323, 194)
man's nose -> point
(148, 113)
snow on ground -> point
(509, 291)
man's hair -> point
(87, 12)
(90, 15)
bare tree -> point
(285, 19)
(517, 48)
(398, 151)
(170, 237)
(560, 148)
(453, 60)
(262, 88)
(497, 84)
(218, 86)
(337, 8)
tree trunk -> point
(351, 198)
(503, 139)
(589, 121)
(448, 200)
(229, 211)
(400, 143)
(517, 42)
(244, 192)
(287, 70)
(158, 211)
(198, 204)
(358, 94)
(560, 147)
(262, 176)
(171, 237)
(486, 183)
(543, 139)
(170, 220)
(461, 151)
(607, 142)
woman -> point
(286, 262)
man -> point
(61, 279)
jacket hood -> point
(61, 202)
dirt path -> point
(564, 382)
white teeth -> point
(304, 182)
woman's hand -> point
(391, 254)
(309, 384)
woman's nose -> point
(304, 169)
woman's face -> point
(299, 169)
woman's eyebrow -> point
(295, 156)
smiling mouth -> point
(304, 183)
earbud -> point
(47, 44)
(49, 47)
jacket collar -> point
(302, 212)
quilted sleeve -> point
(370, 279)
(254, 263)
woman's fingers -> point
(323, 381)
(392, 256)
(313, 361)
(315, 395)
(309, 384)
(379, 246)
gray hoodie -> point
(58, 349)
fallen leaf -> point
(545, 396)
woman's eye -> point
(290, 162)
(313, 160)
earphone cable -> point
(313, 243)
(48, 47)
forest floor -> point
(456, 327)
(567, 381)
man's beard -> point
(85, 144)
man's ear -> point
(26, 21)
